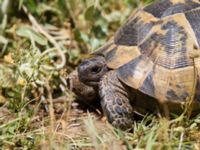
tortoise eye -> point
(95, 69)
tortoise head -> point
(91, 70)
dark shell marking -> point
(166, 8)
(171, 95)
(169, 49)
(148, 85)
(157, 9)
(180, 8)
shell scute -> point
(169, 43)
(135, 72)
(121, 55)
(193, 18)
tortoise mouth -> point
(92, 83)
(90, 71)
(82, 90)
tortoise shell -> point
(152, 51)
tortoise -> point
(151, 65)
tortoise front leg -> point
(115, 101)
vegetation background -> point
(41, 42)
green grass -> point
(41, 42)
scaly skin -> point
(115, 101)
